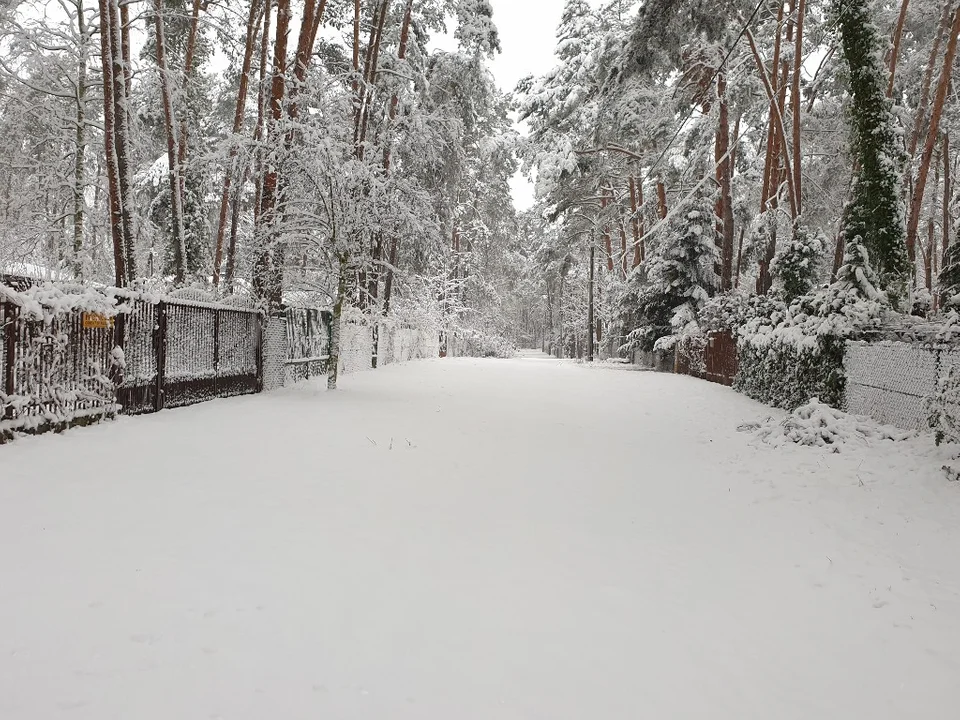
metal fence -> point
(712, 358)
(180, 353)
(66, 367)
(61, 366)
(891, 381)
(57, 369)
(308, 342)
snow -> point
(475, 539)
(819, 425)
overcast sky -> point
(528, 37)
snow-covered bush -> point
(818, 425)
(943, 406)
(789, 353)
(944, 418)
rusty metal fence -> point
(65, 366)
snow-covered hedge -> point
(791, 352)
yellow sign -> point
(96, 321)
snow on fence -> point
(307, 342)
(891, 381)
(356, 346)
(397, 344)
(712, 357)
(58, 367)
(182, 353)
(62, 362)
(297, 345)
(365, 346)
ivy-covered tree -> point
(874, 218)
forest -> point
(782, 169)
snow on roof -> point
(35, 271)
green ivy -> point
(785, 376)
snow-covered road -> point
(467, 539)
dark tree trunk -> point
(253, 27)
(112, 166)
(173, 159)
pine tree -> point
(796, 265)
(680, 274)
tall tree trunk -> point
(725, 174)
(395, 99)
(356, 60)
(933, 132)
(230, 269)
(895, 49)
(79, 174)
(387, 157)
(110, 145)
(188, 57)
(772, 160)
(268, 267)
(253, 28)
(795, 104)
(121, 130)
(309, 26)
(263, 94)
(173, 159)
(333, 368)
(777, 118)
(590, 308)
(921, 117)
(607, 240)
(125, 47)
(391, 269)
(369, 74)
(623, 247)
(947, 195)
(636, 202)
(737, 272)
(661, 200)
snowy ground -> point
(466, 539)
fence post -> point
(160, 347)
(10, 340)
(330, 341)
(262, 320)
(119, 340)
(216, 351)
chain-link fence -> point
(891, 381)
